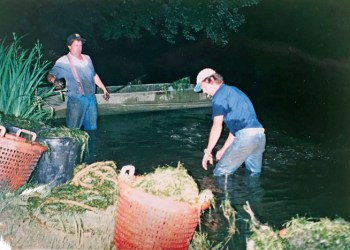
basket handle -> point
(33, 134)
(3, 131)
(129, 168)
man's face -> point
(208, 88)
(76, 47)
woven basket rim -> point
(122, 185)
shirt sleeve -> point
(219, 105)
(59, 70)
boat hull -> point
(140, 98)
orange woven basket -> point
(146, 221)
(18, 158)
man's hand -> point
(58, 84)
(106, 96)
(219, 154)
(207, 157)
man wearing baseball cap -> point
(72, 37)
(81, 80)
(246, 139)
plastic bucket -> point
(56, 166)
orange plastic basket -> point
(146, 221)
(18, 158)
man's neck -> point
(77, 55)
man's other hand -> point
(59, 85)
(106, 96)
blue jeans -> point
(248, 147)
(82, 112)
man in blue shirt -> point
(81, 80)
(246, 140)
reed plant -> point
(22, 92)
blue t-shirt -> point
(235, 106)
(85, 71)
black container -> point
(56, 165)
(11, 129)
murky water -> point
(300, 177)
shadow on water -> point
(300, 177)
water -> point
(297, 76)
(301, 176)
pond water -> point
(300, 176)
(297, 76)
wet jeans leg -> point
(245, 148)
(254, 161)
(82, 112)
(232, 159)
(90, 117)
(75, 112)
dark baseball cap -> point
(75, 36)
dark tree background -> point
(291, 55)
(127, 34)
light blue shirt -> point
(85, 70)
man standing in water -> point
(246, 140)
(81, 79)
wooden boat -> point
(140, 98)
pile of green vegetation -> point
(93, 187)
(32, 125)
(300, 233)
(181, 84)
(171, 182)
(317, 234)
(63, 132)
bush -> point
(21, 82)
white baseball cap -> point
(204, 73)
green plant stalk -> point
(200, 240)
(21, 76)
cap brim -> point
(197, 88)
(76, 39)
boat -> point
(140, 98)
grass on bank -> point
(78, 214)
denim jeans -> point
(248, 147)
(82, 112)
